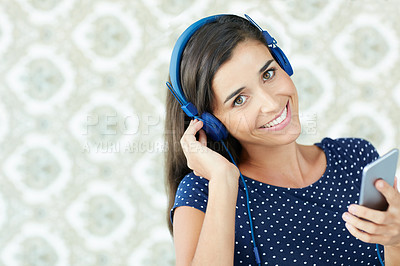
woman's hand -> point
(202, 160)
(372, 226)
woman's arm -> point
(207, 239)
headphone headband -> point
(175, 65)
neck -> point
(281, 165)
(270, 157)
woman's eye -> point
(268, 74)
(239, 100)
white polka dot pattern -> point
(298, 225)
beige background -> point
(82, 103)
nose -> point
(268, 102)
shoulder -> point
(347, 145)
(193, 192)
(356, 149)
(193, 182)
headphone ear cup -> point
(213, 127)
(282, 60)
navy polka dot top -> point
(298, 226)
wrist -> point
(230, 173)
(227, 177)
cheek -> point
(239, 122)
(291, 87)
(287, 85)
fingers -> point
(362, 235)
(375, 216)
(391, 194)
(188, 139)
(374, 226)
(203, 137)
(194, 126)
(366, 230)
(369, 232)
(366, 226)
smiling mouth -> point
(278, 120)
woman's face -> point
(254, 97)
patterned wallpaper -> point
(82, 102)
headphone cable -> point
(255, 249)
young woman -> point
(300, 198)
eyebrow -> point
(230, 96)
(264, 67)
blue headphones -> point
(211, 125)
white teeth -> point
(277, 121)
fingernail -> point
(379, 184)
(352, 209)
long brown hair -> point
(208, 48)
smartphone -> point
(382, 168)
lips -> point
(280, 121)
